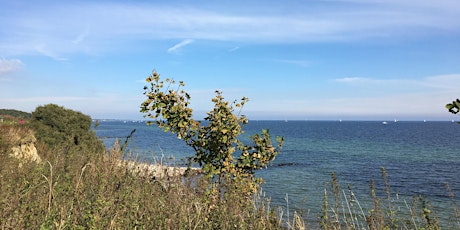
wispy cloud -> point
(302, 63)
(9, 65)
(178, 46)
(234, 49)
(57, 99)
(119, 22)
(100, 104)
(440, 82)
(79, 39)
(417, 97)
(448, 82)
(48, 52)
(351, 79)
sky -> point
(293, 59)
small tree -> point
(215, 141)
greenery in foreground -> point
(99, 194)
(77, 189)
(78, 186)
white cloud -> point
(372, 98)
(302, 63)
(113, 24)
(448, 82)
(351, 79)
(9, 65)
(234, 49)
(440, 82)
(178, 46)
(48, 52)
(445, 5)
(80, 38)
(408, 106)
(102, 105)
(57, 99)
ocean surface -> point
(420, 158)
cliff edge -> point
(19, 142)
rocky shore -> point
(156, 171)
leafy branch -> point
(215, 142)
(454, 107)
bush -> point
(62, 128)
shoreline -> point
(156, 171)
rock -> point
(156, 171)
(21, 142)
(26, 151)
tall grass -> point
(71, 191)
(342, 209)
(99, 193)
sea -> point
(421, 158)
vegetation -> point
(11, 116)
(13, 135)
(454, 107)
(218, 149)
(101, 193)
(14, 113)
(342, 209)
(80, 186)
(61, 128)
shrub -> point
(58, 127)
(215, 141)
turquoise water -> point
(420, 157)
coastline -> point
(156, 171)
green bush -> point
(62, 128)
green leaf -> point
(216, 143)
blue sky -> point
(315, 60)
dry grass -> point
(100, 193)
(68, 191)
(342, 209)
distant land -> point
(5, 113)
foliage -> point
(14, 113)
(215, 141)
(454, 107)
(12, 135)
(58, 127)
(103, 194)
